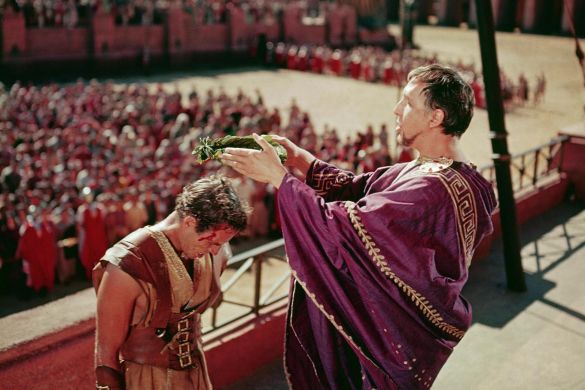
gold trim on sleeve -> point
(465, 209)
(323, 182)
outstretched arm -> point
(264, 166)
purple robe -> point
(378, 262)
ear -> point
(437, 118)
(190, 222)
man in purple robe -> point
(379, 259)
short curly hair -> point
(446, 90)
(213, 202)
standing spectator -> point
(523, 89)
(67, 247)
(93, 240)
(39, 273)
(151, 206)
(115, 218)
(9, 177)
(540, 88)
(49, 244)
(10, 268)
(136, 215)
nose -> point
(397, 108)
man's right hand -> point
(108, 378)
(297, 157)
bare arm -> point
(116, 297)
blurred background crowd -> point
(87, 163)
(377, 65)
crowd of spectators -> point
(374, 64)
(51, 13)
(73, 13)
(86, 163)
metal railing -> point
(242, 264)
(531, 166)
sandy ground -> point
(350, 105)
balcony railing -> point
(531, 166)
(261, 288)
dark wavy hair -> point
(446, 90)
(213, 202)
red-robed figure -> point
(379, 259)
(93, 240)
(335, 64)
(37, 249)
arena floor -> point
(350, 105)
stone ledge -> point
(48, 319)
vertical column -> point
(291, 21)
(576, 10)
(504, 11)
(579, 14)
(472, 17)
(350, 25)
(550, 16)
(13, 33)
(496, 11)
(505, 15)
(441, 10)
(425, 8)
(570, 13)
(334, 20)
(103, 33)
(238, 32)
(393, 10)
(529, 15)
(450, 12)
(177, 33)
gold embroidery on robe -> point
(420, 301)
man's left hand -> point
(261, 165)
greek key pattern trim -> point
(465, 209)
(420, 301)
(323, 182)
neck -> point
(170, 227)
(443, 147)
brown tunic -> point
(175, 359)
